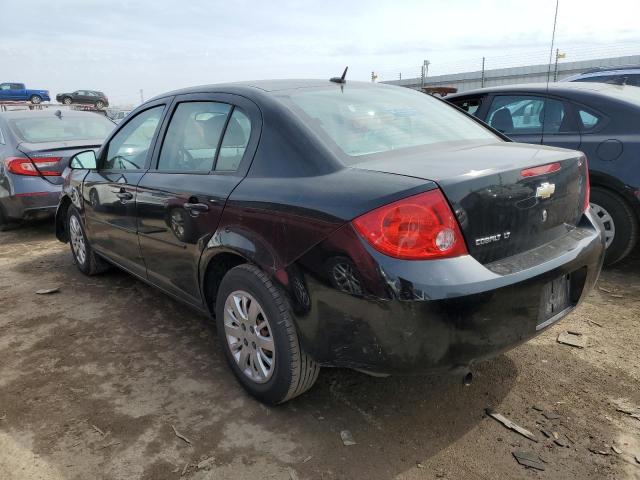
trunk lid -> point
(500, 211)
(60, 152)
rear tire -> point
(67, 100)
(83, 255)
(35, 99)
(292, 372)
(99, 104)
(620, 223)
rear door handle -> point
(122, 195)
(196, 207)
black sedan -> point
(336, 224)
(601, 120)
(35, 147)
(84, 97)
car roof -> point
(50, 112)
(268, 86)
(624, 93)
(611, 69)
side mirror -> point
(84, 160)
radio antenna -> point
(553, 38)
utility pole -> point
(141, 96)
(425, 71)
(373, 76)
(400, 76)
(482, 80)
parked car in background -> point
(17, 92)
(35, 147)
(629, 75)
(116, 115)
(85, 97)
(601, 120)
(327, 223)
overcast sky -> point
(123, 46)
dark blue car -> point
(601, 120)
(17, 92)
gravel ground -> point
(95, 378)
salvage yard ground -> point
(108, 378)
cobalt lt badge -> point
(544, 216)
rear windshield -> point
(54, 129)
(363, 121)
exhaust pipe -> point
(467, 379)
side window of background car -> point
(588, 119)
(470, 105)
(526, 114)
(235, 141)
(192, 138)
(129, 147)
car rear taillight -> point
(25, 166)
(541, 170)
(420, 227)
(587, 185)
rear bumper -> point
(39, 201)
(442, 314)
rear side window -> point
(129, 147)
(235, 141)
(526, 115)
(363, 121)
(193, 135)
(588, 119)
(470, 105)
(49, 128)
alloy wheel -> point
(607, 221)
(77, 240)
(249, 336)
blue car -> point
(17, 92)
(35, 146)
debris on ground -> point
(638, 458)
(528, 459)
(419, 465)
(550, 415)
(616, 449)
(599, 452)
(46, 291)
(184, 470)
(511, 425)
(180, 436)
(624, 406)
(560, 442)
(546, 433)
(112, 444)
(3, 417)
(595, 323)
(572, 339)
(538, 408)
(347, 438)
(98, 430)
(206, 463)
(307, 459)
(292, 474)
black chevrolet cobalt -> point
(338, 224)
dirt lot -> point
(94, 379)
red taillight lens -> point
(421, 227)
(541, 170)
(25, 166)
(587, 186)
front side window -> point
(193, 135)
(235, 141)
(5, 86)
(129, 147)
(363, 121)
(527, 115)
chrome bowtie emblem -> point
(545, 190)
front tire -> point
(259, 337)
(67, 100)
(619, 221)
(36, 99)
(83, 255)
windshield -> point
(54, 129)
(362, 121)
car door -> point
(109, 192)
(533, 119)
(207, 146)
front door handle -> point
(196, 207)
